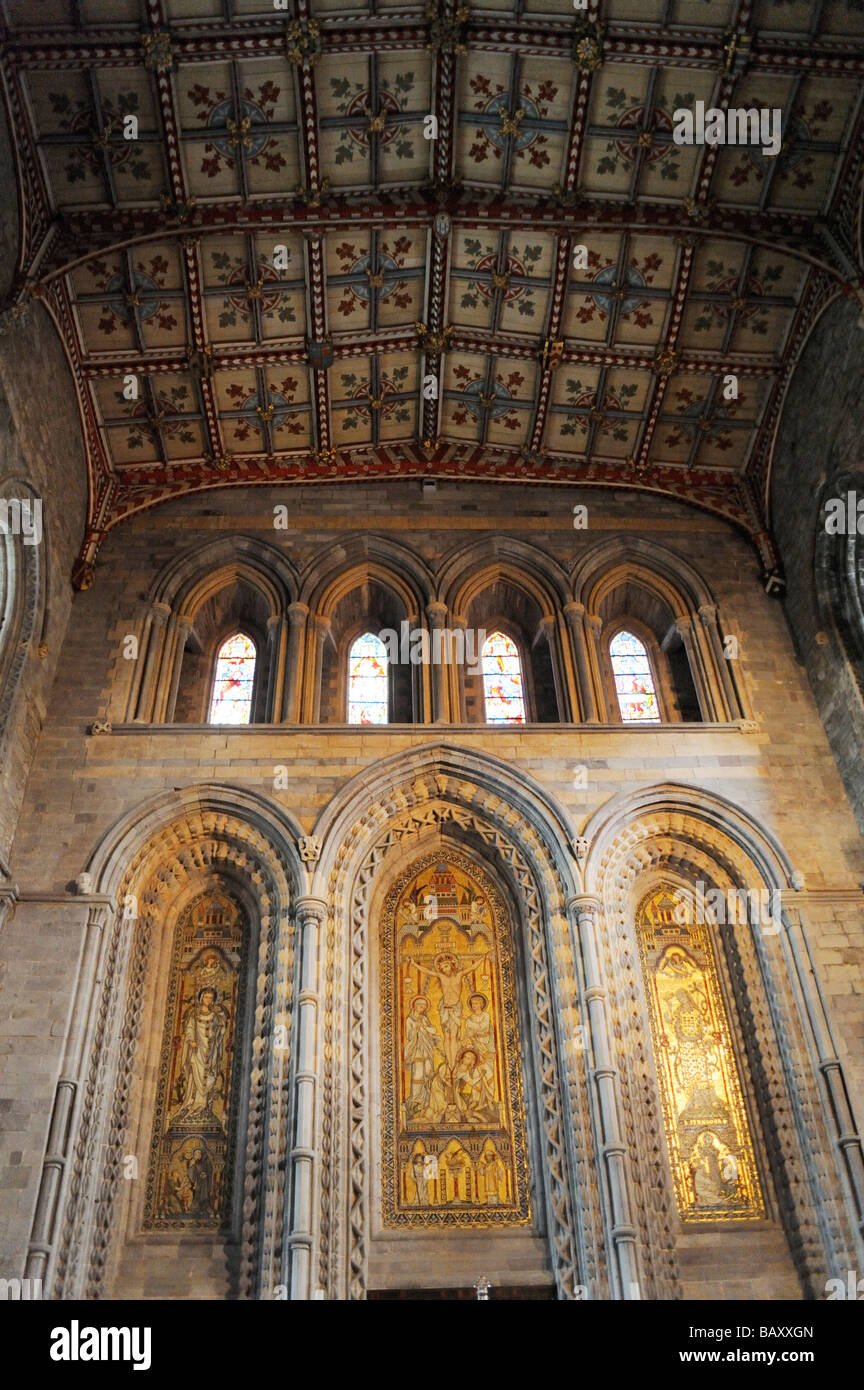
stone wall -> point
(819, 447)
(41, 445)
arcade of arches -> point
(429, 852)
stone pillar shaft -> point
(304, 1150)
(437, 615)
(298, 614)
(588, 706)
(586, 912)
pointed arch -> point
(233, 682)
(505, 583)
(361, 559)
(626, 581)
(195, 602)
(438, 795)
(503, 681)
(146, 869)
(710, 851)
(368, 694)
(465, 572)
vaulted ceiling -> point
(309, 279)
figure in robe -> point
(204, 1028)
(714, 1169)
(696, 1056)
(199, 1173)
(440, 1096)
(493, 1172)
(445, 969)
(474, 1095)
(421, 1182)
(421, 1043)
(480, 1034)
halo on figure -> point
(208, 989)
(474, 1053)
(418, 999)
(442, 956)
(481, 997)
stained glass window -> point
(634, 684)
(367, 681)
(232, 686)
(502, 680)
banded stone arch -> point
(144, 871)
(502, 582)
(689, 836)
(184, 590)
(451, 795)
(676, 606)
(367, 583)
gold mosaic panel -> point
(190, 1172)
(454, 1150)
(707, 1129)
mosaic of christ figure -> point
(446, 970)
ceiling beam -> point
(83, 234)
(672, 46)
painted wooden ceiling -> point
(306, 287)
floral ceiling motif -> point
(365, 251)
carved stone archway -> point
(813, 1151)
(147, 866)
(473, 801)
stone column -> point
(586, 913)
(588, 706)
(548, 629)
(718, 667)
(312, 673)
(706, 691)
(293, 685)
(8, 892)
(154, 645)
(276, 642)
(62, 1133)
(183, 627)
(593, 626)
(304, 1151)
(458, 673)
(437, 615)
(838, 1103)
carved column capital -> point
(708, 613)
(160, 613)
(310, 910)
(437, 613)
(585, 907)
(297, 613)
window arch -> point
(503, 685)
(233, 681)
(635, 688)
(368, 681)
